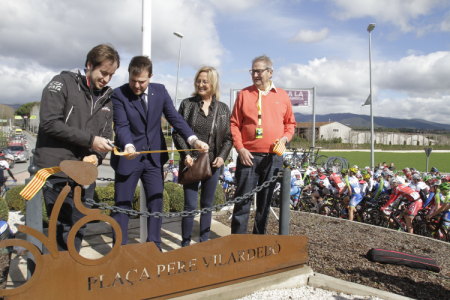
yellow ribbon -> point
(116, 152)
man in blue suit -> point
(138, 107)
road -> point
(20, 170)
(21, 167)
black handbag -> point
(201, 168)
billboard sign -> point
(299, 97)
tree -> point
(25, 109)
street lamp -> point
(178, 34)
(372, 151)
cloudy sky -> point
(314, 43)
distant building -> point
(324, 131)
(332, 130)
(394, 138)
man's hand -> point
(246, 157)
(283, 140)
(218, 162)
(91, 159)
(101, 144)
(201, 146)
(131, 153)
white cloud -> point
(310, 36)
(235, 5)
(445, 25)
(400, 13)
(60, 33)
(47, 36)
(343, 86)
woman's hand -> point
(218, 162)
(188, 161)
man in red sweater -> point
(261, 115)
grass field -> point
(401, 160)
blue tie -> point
(144, 104)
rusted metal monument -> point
(141, 271)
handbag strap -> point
(214, 120)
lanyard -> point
(259, 102)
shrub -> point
(4, 209)
(137, 200)
(105, 194)
(14, 200)
(45, 219)
(176, 196)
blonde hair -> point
(213, 78)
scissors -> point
(111, 144)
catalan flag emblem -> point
(37, 182)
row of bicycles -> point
(369, 211)
(311, 157)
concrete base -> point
(333, 284)
(289, 279)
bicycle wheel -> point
(329, 210)
(380, 220)
(305, 205)
(230, 194)
(316, 161)
(423, 229)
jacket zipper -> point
(104, 127)
(67, 119)
(99, 98)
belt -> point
(262, 154)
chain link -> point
(146, 214)
(105, 179)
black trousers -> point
(68, 214)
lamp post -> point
(178, 34)
(372, 151)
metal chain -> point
(135, 213)
(105, 179)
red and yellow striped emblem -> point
(38, 181)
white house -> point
(324, 131)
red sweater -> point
(277, 119)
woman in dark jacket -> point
(198, 111)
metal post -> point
(426, 170)
(285, 204)
(33, 219)
(146, 50)
(372, 150)
(178, 77)
(313, 121)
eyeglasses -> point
(199, 82)
(260, 71)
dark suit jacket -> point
(131, 126)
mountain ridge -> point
(355, 120)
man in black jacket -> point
(76, 118)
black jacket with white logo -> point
(70, 118)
